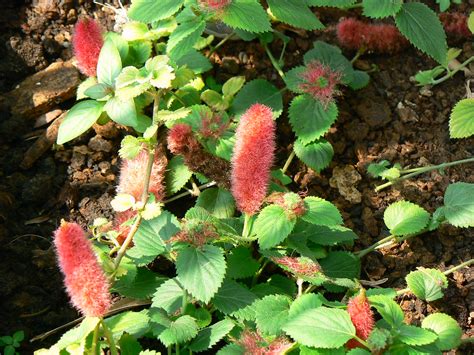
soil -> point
(390, 119)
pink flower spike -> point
(320, 82)
(362, 317)
(253, 158)
(85, 280)
(455, 23)
(215, 5)
(132, 177)
(87, 42)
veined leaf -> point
(79, 119)
(109, 64)
(134, 323)
(210, 336)
(179, 331)
(316, 155)
(272, 314)
(422, 27)
(461, 121)
(217, 201)
(177, 174)
(381, 8)
(241, 264)
(184, 37)
(321, 212)
(427, 284)
(448, 331)
(272, 226)
(77, 334)
(333, 3)
(233, 299)
(388, 309)
(404, 218)
(152, 10)
(412, 335)
(122, 111)
(295, 13)
(169, 296)
(459, 204)
(247, 15)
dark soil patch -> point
(390, 119)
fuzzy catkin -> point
(455, 24)
(252, 158)
(362, 317)
(87, 42)
(181, 141)
(84, 278)
(380, 38)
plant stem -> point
(224, 40)
(299, 282)
(247, 225)
(110, 338)
(187, 193)
(258, 273)
(424, 169)
(450, 74)
(288, 161)
(362, 253)
(95, 338)
(170, 352)
(363, 342)
(195, 191)
(177, 349)
(275, 63)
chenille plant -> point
(257, 268)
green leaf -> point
(168, 296)
(425, 77)
(333, 3)
(77, 334)
(405, 218)
(295, 13)
(304, 303)
(272, 226)
(140, 285)
(448, 331)
(129, 147)
(461, 121)
(214, 100)
(134, 323)
(272, 314)
(151, 236)
(195, 61)
(381, 8)
(321, 212)
(139, 52)
(421, 26)
(341, 264)
(210, 336)
(233, 298)
(360, 80)
(201, 270)
(388, 309)
(241, 264)
(97, 91)
(258, 91)
(79, 119)
(412, 335)
(179, 331)
(247, 15)
(177, 174)
(185, 37)
(329, 235)
(427, 284)
(151, 10)
(321, 327)
(309, 119)
(109, 64)
(129, 345)
(233, 85)
(122, 111)
(81, 89)
(217, 201)
(18, 336)
(470, 22)
(316, 155)
(378, 338)
(459, 204)
(231, 349)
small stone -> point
(99, 144)
(230, 65)
(345, 180)
(406, 113)
(374, 110)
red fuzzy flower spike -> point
(362, 317)
(299, 266)
(87, 42)
(132, 177)
(455, 24)
(253, 158)
(254, 344)
(379, 38)
(85, 280)
(320, 82)
(215, 5)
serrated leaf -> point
(448, 331)
(179, 331)
(185, 37)
(258, 91)
(427, 284)
(422, 27)
(210, 336)
(129, 345)
(321, 212)
(195, 61)
(378, 338)
(241, 264)
(381, 8)
(272, 314)
(470, 22)
(247, 15)
(79, 119)
(232, 298)
(341, 264)
(459, 204)
(412, 335)
(151, 10)
(272, 226)
(316, 155)
(134, 323)
(309, 119)
(217, 201)
(295, 13)
(405, 218)
(329, 235)
(321, 327)
(141, 284)
(77, 334)
(169, 296)
(177, 174)
(388, 309)
(129, 147)
(304, 303)
(461, 121)
(333, 3)
(109, 64)
(151, 236)
(201, 270)
(233, 85)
